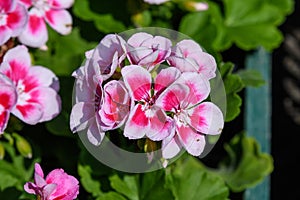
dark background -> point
(286, 112)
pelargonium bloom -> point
(8, 99)
(188, 56)
(36, 87)
(97, 109)
(146, 118)
(145, 50)
(192, 119)
(40, 11)
(57, 185)
(13, 19)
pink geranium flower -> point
(8, 99)
(145, 50)
(40, 11)
(36, 87)
(13, 18)
(192, 119)
(98, 109)
(57, 185)
(188, 56)
(146, 118)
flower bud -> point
(23, 146)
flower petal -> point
(30, 188)
(138, 81)
(5, 34)
(192, 141)
(44, 77)
(7, 5)
(17, 20)
(137, 39)
(35, 33)
(94, 132)
(67, 186)
(62, 3)
(165, 78)
(48, 190)
(59, 20)
(160, 127)
(137, 124)
(173, 97)
(170, 148)
(81, 114)
(49, 100)
(207, 118)
(38, 170)
(198, 85)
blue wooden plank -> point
(258, 115)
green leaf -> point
(128, 186)
(64, 54)
(251, 77)
(103, 22)
(153, 181)
(90, 185)
(245, 165)
(111, 196)
(189, 180)
(233, 84)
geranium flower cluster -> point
(28, 92)
(57, 185)
(26, 19)
(149, 88)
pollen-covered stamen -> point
(3, 19)
(181, 118)
(23, 97)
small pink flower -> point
(145, 50)
(188, 56)
(146, 118)
(192, 119)
(58, 185)
(8, 99)
(13, 19)
(36, 87)
(156, 1)
(53, 12)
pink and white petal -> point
(171, 147)
(44, 76)
(38, 170)
(35, 33)
(165, 78)
(141, 55)
(8, 97)
(94, 132)
(17, 20)
(28, 112)
(49, 100)
(137, 39)
(61, 3)
(4, 116)
(138, 81)
(188, 47)
(81, 114)
(19, 60)
(5, 34)
(192, 141)
(206, 64)
(160, 44)
(207, 118)
(137, 124)
(199, 86)
(173, 97)
(27, 3)
(160, 127)
(7, 5)
(48, 190)
(30, 188)
(183, 64)
(59, 20)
